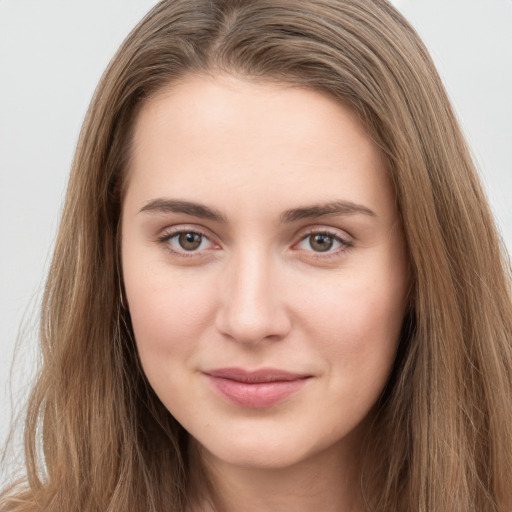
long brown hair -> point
(96, 436)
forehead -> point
(216, 104)
(209, 133)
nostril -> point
(250, 323)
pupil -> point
(321, 243)
(190, 241)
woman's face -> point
(264, 265)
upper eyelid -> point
(185, 228)
(332, 231)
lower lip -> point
(256, 395)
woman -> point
(277, 284)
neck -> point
(328, 481)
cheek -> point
(169, 320)
(169, 315)
(354, 312)
(357, 327)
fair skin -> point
(260, 233)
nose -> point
(253, 306)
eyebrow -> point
(322, 210)
(187, 207)
(205, 212)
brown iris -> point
(190, 241)
(320, 242)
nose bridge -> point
(253, 308)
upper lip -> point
(261, 375)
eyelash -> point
(345, 244)
(167, 236)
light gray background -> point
(52, 53)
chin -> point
(258, 457)
(269, 450)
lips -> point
(255, 389)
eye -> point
(323, 242)
(187, 241)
